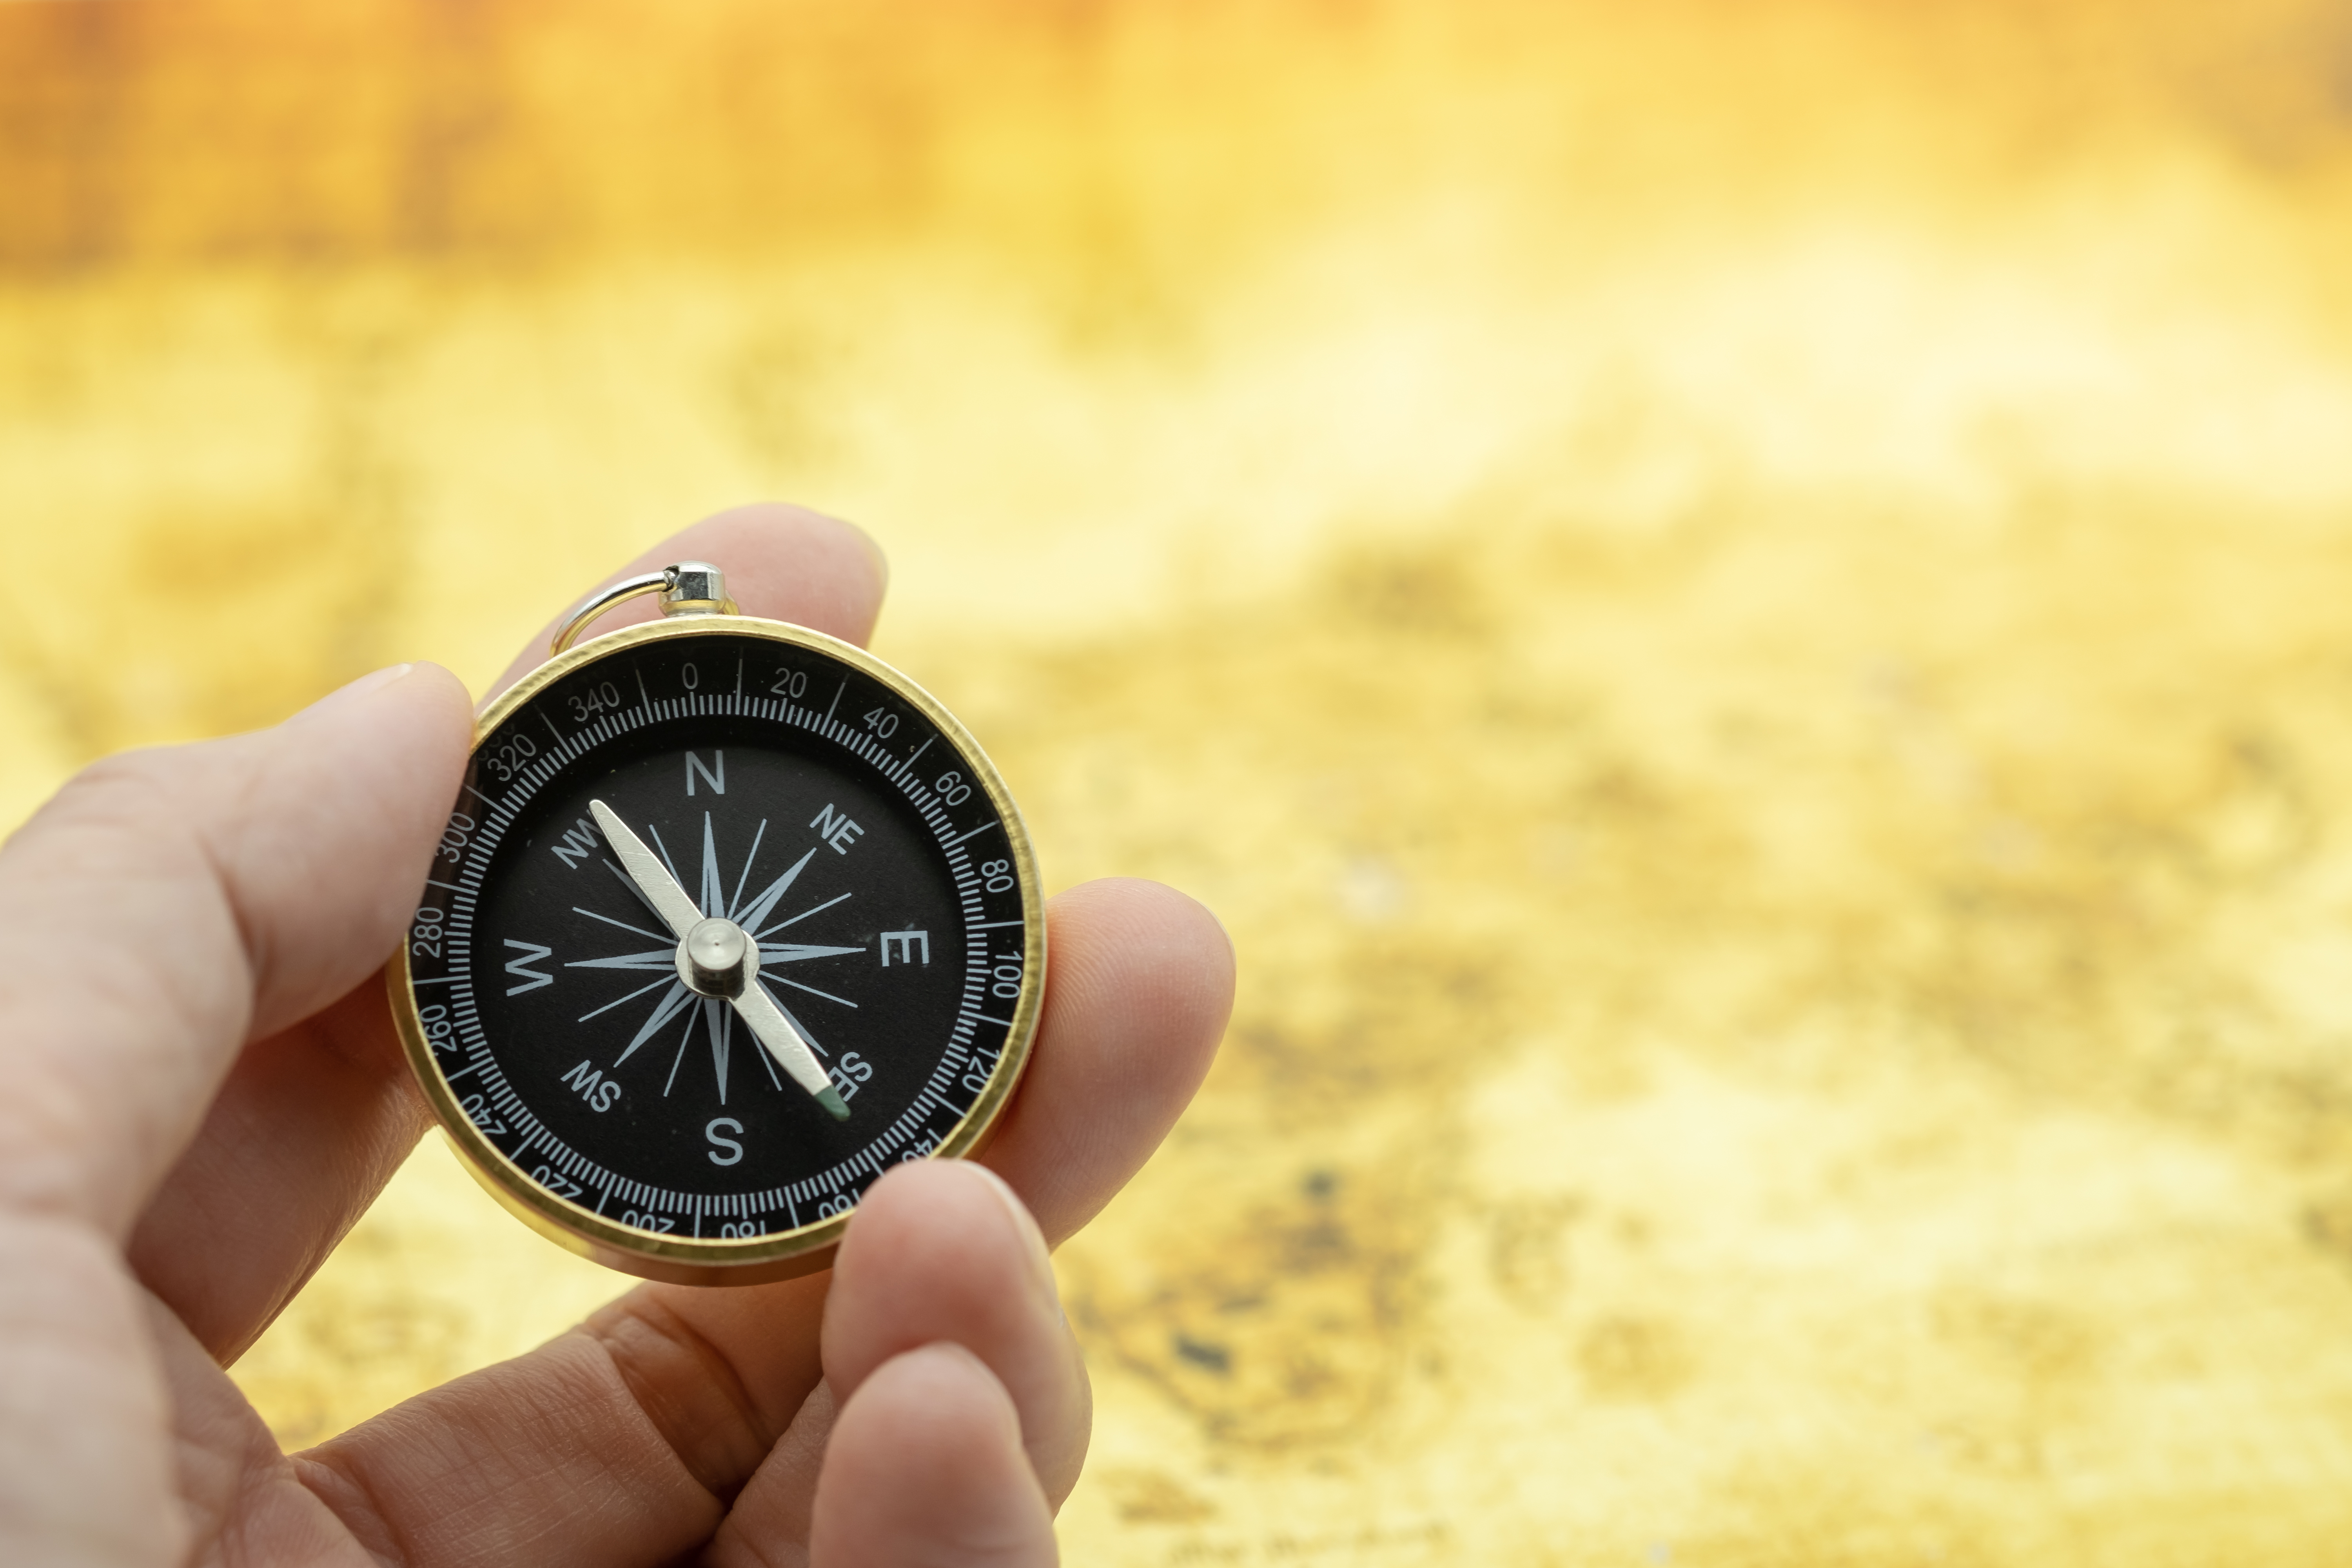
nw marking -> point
(579, 843)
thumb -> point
(168, 905)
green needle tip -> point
(831, 1099)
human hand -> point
(200, 1092)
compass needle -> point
(648, 875)
(653, 878)
(634, 892)
(792, 1053)
(858, 859)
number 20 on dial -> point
(728, 919)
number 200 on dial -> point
(813, 807)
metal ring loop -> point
(595, 604)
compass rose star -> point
(671, 996)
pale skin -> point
(203, 1093)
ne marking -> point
(836, 829)
(921, 750)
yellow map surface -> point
(1745, 609)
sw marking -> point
(601, 1092)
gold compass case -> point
(830, 814)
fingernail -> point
(365, 684)
(1026, 1223)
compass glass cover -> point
(786, 790)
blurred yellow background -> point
(1741, 606)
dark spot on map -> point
(1216, 1358)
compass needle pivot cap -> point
(717, 958)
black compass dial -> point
(806, 804)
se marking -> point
(853, 1070)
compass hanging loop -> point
(688, 588)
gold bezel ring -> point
(687, 1261)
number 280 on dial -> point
(729, 918)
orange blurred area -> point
(1738, 605)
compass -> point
(729, 918)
